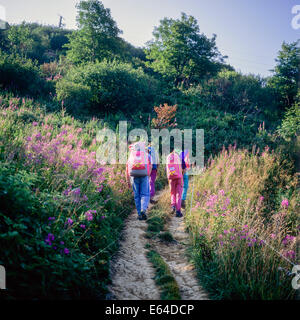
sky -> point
(249, 32)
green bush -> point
(21, 75)
(108, 87)
(290, 126)
(76, 96)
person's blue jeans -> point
(141, 191)
(185, 185)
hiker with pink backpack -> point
(175, 177)
(138, 170)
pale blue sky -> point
(250, 32)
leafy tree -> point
(180, 52)
(286, 74)
(19, 39)
(97, 34)
(34, 41)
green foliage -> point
(286, 74)
(196, 109)
(180, 53)
(108, 87)
(19, 39)
(76, 96)
(290, 127)
(21, 75)
(96, 38)
(34, 41)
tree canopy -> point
(97, 34)
(180, 52)
(286, 74)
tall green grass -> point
(243, 225)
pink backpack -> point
(174, 170)
(138, 162)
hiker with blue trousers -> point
(153, 174)
(185, 167)
(138, 170)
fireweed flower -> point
(66, 251)
(76, 191)
(89, 215)
(82, 226)
(290, 254)
(49, 239)
(221, 192)
(69, 221)
(288, 239)
(51, 218)
(67, 191)
(285, 203)
(99, 189)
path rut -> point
(174, 254)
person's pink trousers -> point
(176, 186)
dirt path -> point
(174, 255)
(132, 273)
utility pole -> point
(60, 23)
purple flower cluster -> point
(89, 215)
(49, 239)
(63, 151)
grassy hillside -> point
(60, 211)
